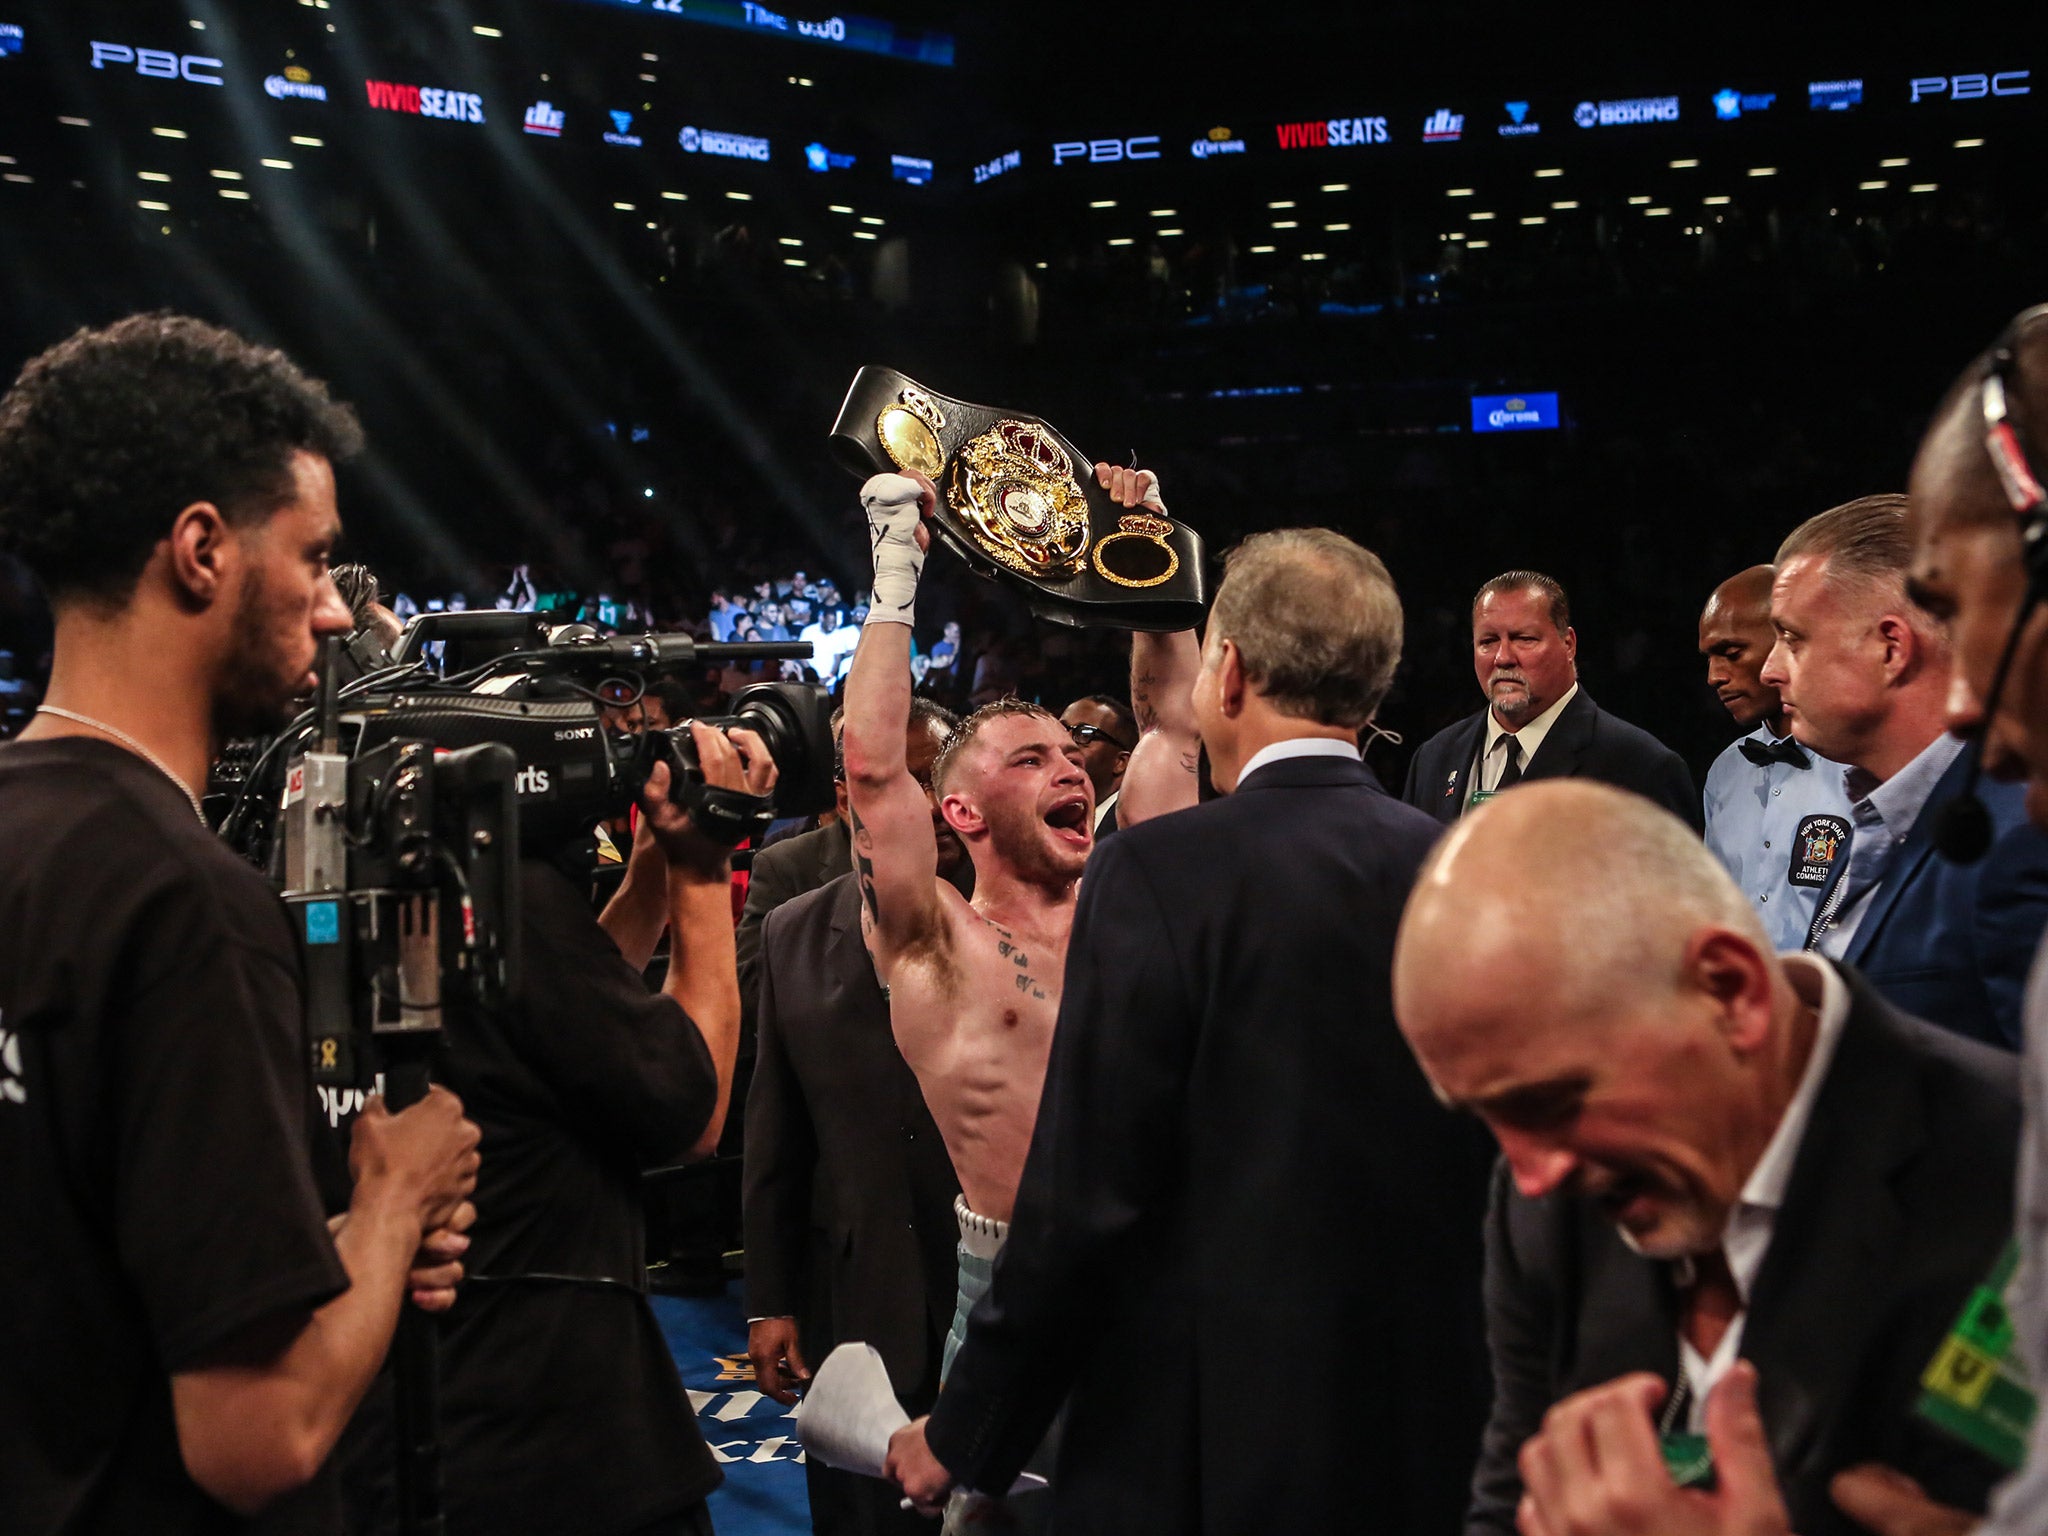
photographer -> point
(182, 1335)
(561, 1406)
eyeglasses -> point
(1084, 734)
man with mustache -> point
(1709, 1151)
(1538, 723)
(1777, 818)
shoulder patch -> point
(1819, 841)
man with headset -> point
(1979, 519)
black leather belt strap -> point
(1019, 504)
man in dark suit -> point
(1863, 672)
(848, 1189)
(1538, 723)
(1711, 1154)
(1236, 1170)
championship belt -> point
(1019, 503)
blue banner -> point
(865, 34)
(1513, 413)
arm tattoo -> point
(864, 866)
(1141, 699)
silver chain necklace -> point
(132, 745)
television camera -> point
(394, 814)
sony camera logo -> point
(576, 733)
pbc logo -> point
(159, 63)
(1104, 151)
(2010, 82)
(1819, 841)
(535, 782)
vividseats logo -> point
(11, 1088)
(160, 63)
(425, 101)
(295, 82)
(1333, 133)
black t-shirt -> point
(561, 1406)
(156, 1194)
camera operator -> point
(561, 1406)
(183, 1334)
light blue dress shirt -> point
(1882, 818)
(1760, 823)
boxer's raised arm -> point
(1161, 775)
(895, 856)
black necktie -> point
(1512, 774)
(1786, 751)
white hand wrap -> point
(891, 503)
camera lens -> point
(794, 720)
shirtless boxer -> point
(974, 986)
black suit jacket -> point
(782, 872)
(848, 1203)
(1585, 742)
(1247, 1237)
(1900, 1200)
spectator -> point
(832, 642)
(1106, 730)
(1776, 814)
(1863, 673)
(1525, 652)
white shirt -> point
(1748, 1235)
(1296, 746)
(831, 650)
(1493, 761)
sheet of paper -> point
(849, 1411)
